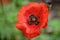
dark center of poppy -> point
(33, 20)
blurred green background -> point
(8, 19)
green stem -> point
(3, 11)
(29, 39)
(2, 6)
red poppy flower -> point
(31, 18)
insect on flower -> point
(31, 18)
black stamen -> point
(36, 23)
(33, 20)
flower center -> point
(33, 20)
